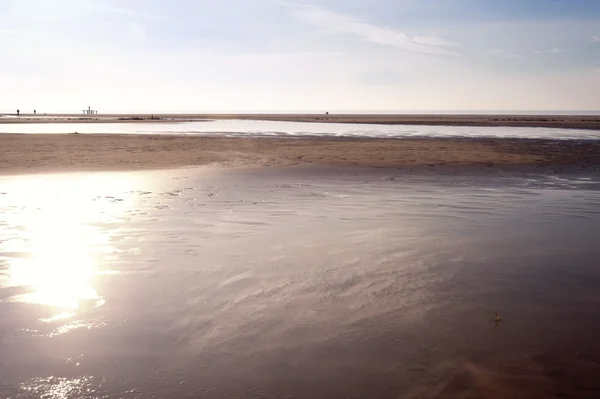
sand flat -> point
(299, 283)
(33, 153)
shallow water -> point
(243, 128)
(299, 283)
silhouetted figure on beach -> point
(34, 112)
(18, 112)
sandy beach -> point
(303, 267)
(550, 121)
(299, 199)
(32, 153)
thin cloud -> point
(123, 11)
(432, 41)
(336, 23)
(303, 54)
(552, 50)
(501, 53)
(595, 39)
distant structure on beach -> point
(90, 111)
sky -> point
(299, 55)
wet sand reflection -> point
(53, 247)
(211, 283)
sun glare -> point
(60, 242)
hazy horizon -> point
(275, 56)
(333, 112)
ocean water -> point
(299, 283)
(245, 128)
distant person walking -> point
(18, 112)
(34, 112)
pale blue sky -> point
(278, 55)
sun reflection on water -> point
(55, 243)
(61, 267)
(60, 388)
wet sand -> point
(299, 283)
(276, 267)
(551, 121)
(36, 153)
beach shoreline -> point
(585, 122)
(403, 236)
(42, 153)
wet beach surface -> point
(312, 128)
(299, 283)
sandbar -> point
(40, 153)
